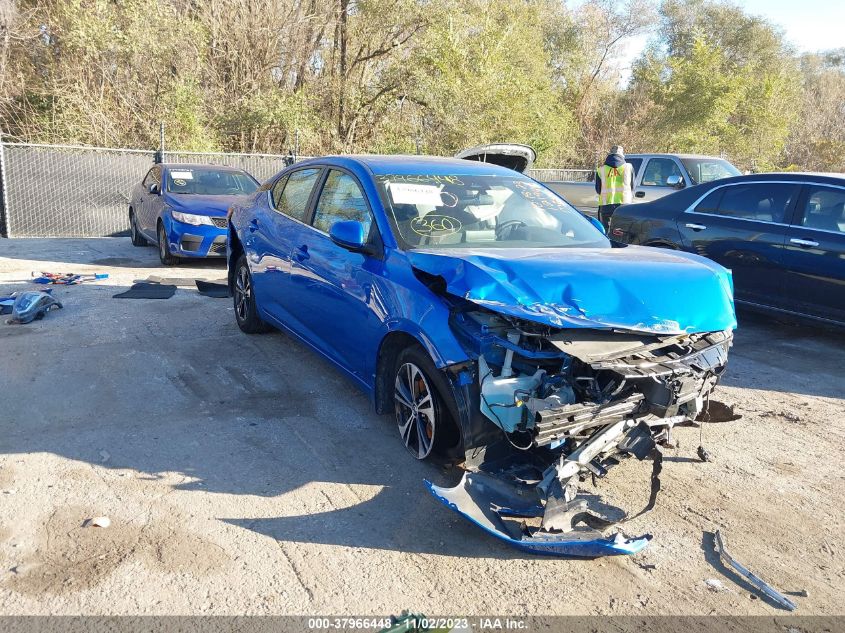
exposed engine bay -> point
(570, 404)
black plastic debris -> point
(211, 289)
(145, 290)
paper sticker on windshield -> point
(432, 224)
(182, 175)
(405, 193)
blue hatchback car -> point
(182, 209)
(497, 324)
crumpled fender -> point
(633, 288)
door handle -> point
(253, 225)
(806, 243)
(640, 194)
(695, 227)
(301, 253)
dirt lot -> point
(242, 474)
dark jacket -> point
(612, 160)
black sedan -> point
(782, 235)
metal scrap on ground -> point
(755, 580)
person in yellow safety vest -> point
(614, 183)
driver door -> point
(146, 221)
(330, 286)
(654, 183)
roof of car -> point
(200, 166)
(653, 155)
(833, 179)
(411, 164)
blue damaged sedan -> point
(182, 209)
(498, 325)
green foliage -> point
(729, 90)
(482, 76)
(439, 75)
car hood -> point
(634, 288)
(203, 205)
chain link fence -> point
(69, 191)
(81, 191)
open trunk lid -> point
(511, 155)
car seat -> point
(828, 219)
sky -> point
(809, 25)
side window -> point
(277, 190)
(293, 199)
(153, 176)
(341, 199)
(710, 204)
(766, 202)
(658, 170)
(636, 163)
(824, 209)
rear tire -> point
(137, 238)
(164, 253)
(424, 409)
(246, 313)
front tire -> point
(134, 233)
(424, 417)
(164, 253)
(246, 313)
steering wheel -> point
(507, 225)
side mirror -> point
(153, 189)
(675, 181)
(596, 223)
(349, 234)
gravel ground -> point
(242, 474)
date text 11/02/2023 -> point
(414, 622)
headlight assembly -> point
(191, 218)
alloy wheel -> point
(415, 413)
(243, 290)
(162, 243)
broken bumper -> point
(503, 510)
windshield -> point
(703, 170)
(482, 211)
(210, 182)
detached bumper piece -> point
(504, 510)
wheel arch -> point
(662, 243)
(236, 249)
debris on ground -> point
(145, 290)
(67, 279)
(6, 304)
(714, 584)
(173, 281)
(32, 305)
(211, 289)
(100, 522)
(704, 455)
(716, 411)
(752, 578)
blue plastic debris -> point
(497, 507)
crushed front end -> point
(562, 405)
